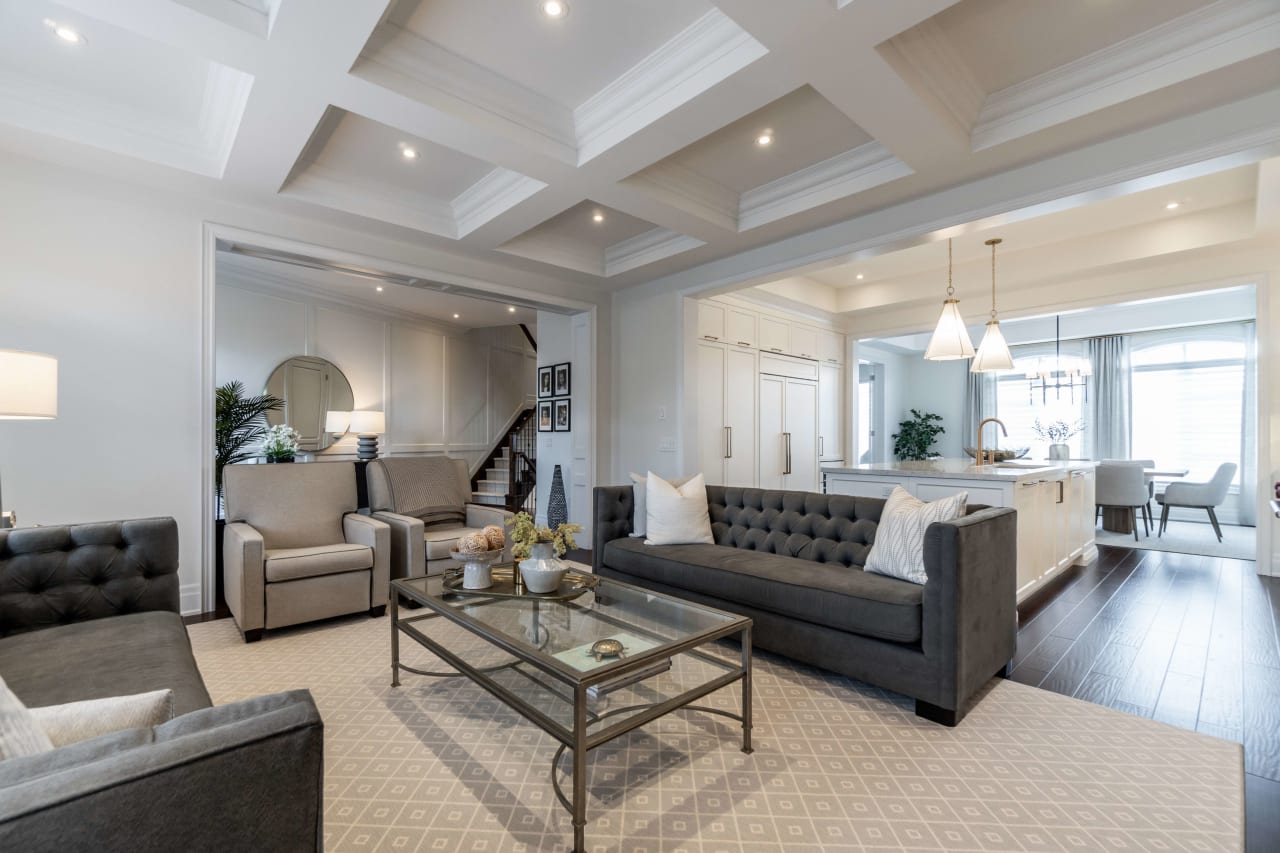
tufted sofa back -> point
(71, 573)
(809, 526)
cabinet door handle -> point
(1061, 492)
(787, 437)
(728, 446)
(711, 337)
(744, 343)
(821, 444)
(774, 349)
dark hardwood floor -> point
(1187, 640)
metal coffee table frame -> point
(577, 682)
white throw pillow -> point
(76, 721)
(677, 516)
(639, 489)
(899, 547)
(20, 733)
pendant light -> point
(993, 352)
(950, 339)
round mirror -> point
(310, 388)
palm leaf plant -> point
(239, 423)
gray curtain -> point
(979, 403)
(1109, 415)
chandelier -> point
(1058, 374)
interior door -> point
(740, 417)
(802, 430)
(712, 441)
(307, 399)
(870, 404)
(772, 426)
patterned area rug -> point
(438, 764)
(1189, 537)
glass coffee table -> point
(542, 656)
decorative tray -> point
(573, 584)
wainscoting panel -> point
(416, 414)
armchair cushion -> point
(441, 540)
(287, 564)
(292, 506)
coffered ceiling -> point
(626, 140)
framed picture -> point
(561, 381)
(544, 381)
(544, 416)
(561, 415)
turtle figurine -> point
(608, 648)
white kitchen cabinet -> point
(775, 335)
(830, 412)
(740, 328)
(804, 341)
(711, 321)
(863, 487)
(788, 433)
(726, 414)
(830, 347)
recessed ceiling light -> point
(597, 217)
(379, 288)
(1173, 205)
(64, 32)
(456, 316)
(859, 276)
(765, 139)
(554, 8)
(511, 309)
(409, 153)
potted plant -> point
(1057, 433)
(916, 436)
(538, 550)
(280, 443)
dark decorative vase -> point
(557, 505)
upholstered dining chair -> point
(1151, 485)
(1122, 485)
(1206, 496)
(295, 549)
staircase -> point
(508, 478)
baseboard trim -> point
(1036, 601)
(189, 599)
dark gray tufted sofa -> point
(792, 561)
(92, 610)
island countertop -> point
(962, 469)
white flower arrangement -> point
(281, 442)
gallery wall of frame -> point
(554, 407)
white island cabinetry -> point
(1054, 503)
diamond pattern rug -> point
(438, 764)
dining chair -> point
(1122, 485)
(1206, 496)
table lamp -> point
(367, 426)
(28, 391)
(337, 423)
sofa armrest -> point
(480, 515)
(244, 580)
(245, 776)
(365, 530)
(970, 615)
(408, 550)
(77, 572)
(611, 516)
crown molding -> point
(645, 249)
(1205, 40)
(446, 80)
(490, 197)
(690, 191)
(705, 53)
(328, 187)
(854, 171)
(557, 251)
(226, 93)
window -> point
(1020, 407)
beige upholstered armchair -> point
(424, 499)
(295, 550)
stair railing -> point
(522, 475)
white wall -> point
(937, 387)
(568, 339)
(649, 340)
(443, 390)
(107, 276)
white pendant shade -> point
(993, 352)
(28, 385)
(950, 339)
(368, 423)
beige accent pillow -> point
(20, 733)
(898, 550)
(639, 491)
(677, 516)
(77, 721)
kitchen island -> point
(1054, 501)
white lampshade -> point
(28, 385)
(368, 423)
(950, 339)
(337, 422)
(993, 352)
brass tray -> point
(573, 584)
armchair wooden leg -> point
(934, 714)
(1164, 519)
(1213, 519)
(253, 635)
(380, 610)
